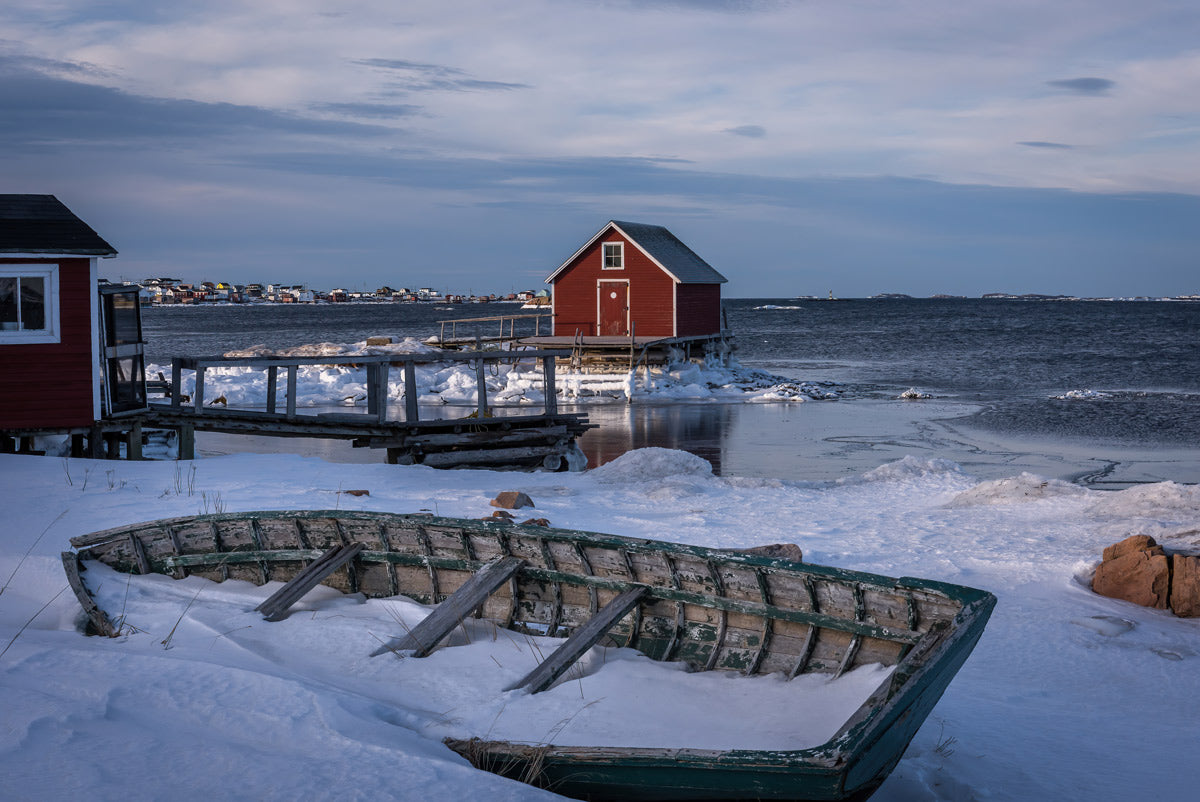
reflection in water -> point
(701, 429)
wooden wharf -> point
(630, 353)
(486, 436)
(480, 438)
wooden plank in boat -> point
(273, 609)
(425, 636)
(580, 641)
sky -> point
(800, 148)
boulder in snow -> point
(779, 551)
(1135, 570)
(512, 500)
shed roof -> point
(664, 249)
(42, 224)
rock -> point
(535, 522)
(379, 341)
(1141, 577)
(357, 492)
(503, 515)
(512, 500)
(1131, 544)
(1185, 586)
(779, 551)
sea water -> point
(1102, 392)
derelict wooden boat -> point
(714, 609)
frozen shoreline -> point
(1045, 707)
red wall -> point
(699, 309)
(50, 384)
(652, 296)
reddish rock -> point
(1139, 577)
(1185, 586)
(357, 492)
(535, 522)
(779, 551)
(512, 500)
(1131, 544)
(503, 515)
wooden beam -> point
(580, 641)
(273, 609)
(425, 636)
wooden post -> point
(198, 395)
(381, 388)
(411, 412)
(272, 386)
(96, 442)
(176, 378)
(291, 391)
(372, 388)
(550, 390)
(187, 441)
(133, 441)
(481, 384)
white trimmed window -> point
(614, 255)
(29, 304)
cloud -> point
(1083, 86)
(1049, 145)
(379, 111)
(752, 131)
(417, 77)
(42, 110)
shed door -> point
(613, 308)
(124, 365)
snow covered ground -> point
(1068, 695)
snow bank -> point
(1068, 694)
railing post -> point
(410, 391)
(481, 385)
(272, 386)
(198, 395)
(291, 391)
(381, 385)
(372, 388)
(176, 378)
(550, 391)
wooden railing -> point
(504, 322)
(378, 367)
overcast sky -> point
(926, 147)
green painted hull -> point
(710, 608)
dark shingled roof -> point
(42, 224)
(664, 247)
(678, 259)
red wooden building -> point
(50, 318)
(633, 279)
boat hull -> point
(712, 609)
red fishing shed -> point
(633, 279)
(51, 343)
